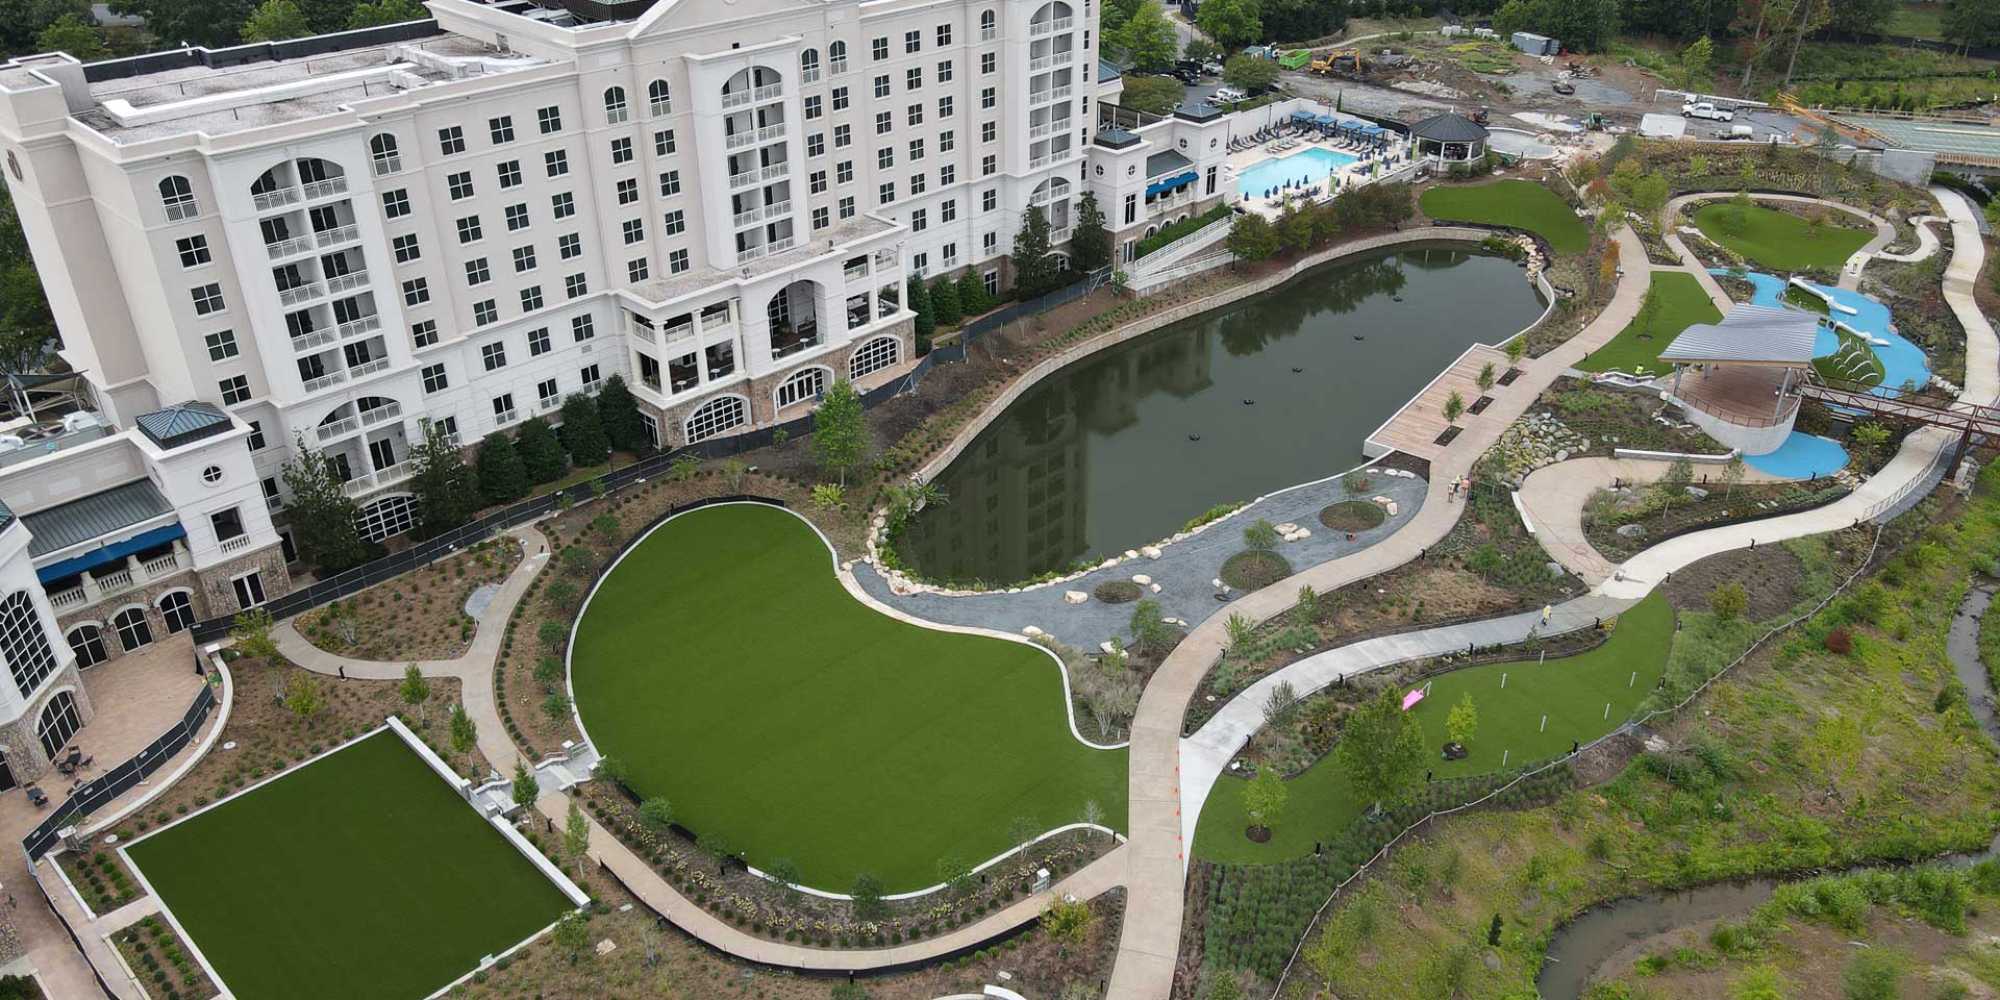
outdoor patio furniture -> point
(38, 797)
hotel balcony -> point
(135, 574)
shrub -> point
(1118, 591)
(1840, 641)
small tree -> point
(415, 689)
(1516, 349)
(973, 299)
(302, 696)
(447, 493)
(1462, 721)
(1252, 237)
(786, 872)
(502, 477)
(1090, 242)
(1150, 632)
(944, 302)
(1068, 922)
(524, 788)
(1201, 50)
(618, 411)
(1454, 407)
(1486, 377)
(582, 431)
(867, 893)
(1154, 95)
(840, 433)
(657, 813)
(1381, 750)
(72, 34)
(464, 734)
(1034, 270)
(1281, 704)
(325, 520)
(576, 833)
(541, 454)
(251, 634)
(925, 324)
(571, 937)
(1733, 472)
(1260, 536)
(1674, 483)
(1728, 601)
(1222, 984)
(1250, 74)
(1264, 799)
(1869, 438)
(1093, 814)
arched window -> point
(87, 642)
(177, 610)
(806, 383)
(383, 148)
(178, 197)
(133, 630)
(809, 66)
(22, 641)
(873, 356)
(836, 57)
(59, 722)
(717, 416)
(988, 25)
(659, 99)
(614, 104)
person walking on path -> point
(1547, 610)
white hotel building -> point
(341, 238)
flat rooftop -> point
(189, 95)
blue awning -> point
(1178, 181)
(1302, 116)
(110, 553)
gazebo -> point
(1735, 378)
(1449, 138)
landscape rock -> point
(1032, 632)
(1141, 579)
(1631, 530)
(1075, 597)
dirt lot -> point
(1769, 574)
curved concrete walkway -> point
(1159, 825)
(474, 672)
(1554, 497)
(1927, 241)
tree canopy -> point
(1381, 749)
(1148, 40)
(1232, 23)
(1584, 25)
(1154, 95)
(325, 520)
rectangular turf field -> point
(361, 874)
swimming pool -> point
(1309, 166)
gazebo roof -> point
(1749, 335)
(1449, 127)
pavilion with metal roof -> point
(1449, 138)
(1742, 371)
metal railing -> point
(360, 325)
(300, 293)
(326, 381)
(290, 247)
(326, 188)
(346, 282)
(334, 429)
(750, 218)
(368, 367)
(264, 201)
(677, 331)
(180, 211)
(315, 338)
(386, 411)
(100, 791)
(338, 234)
(1048, 94)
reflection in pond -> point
(1123, 447)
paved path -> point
(1555, 495)
(1914, 461)
(1690, 264)
(474, 672)
(1927, 241)
(1158, 826)
(1185, 571)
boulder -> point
(1032, 632)
(1150, 552)
(1141, 579)
(1075, 597)
(1631, 530)
(1155, 588)
(1697, 492)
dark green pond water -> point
(1100, 457)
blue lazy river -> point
(1804, 455)
(1309, 167)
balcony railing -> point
(677, 332)
(770, 92)
(855, 272)
(317, 338)
(741, 98)
(1048, 128)
(549, 403)
(743, 179)
(135, 574)
(344, 425)
(776, 170)
(326, 188)
(237, 544)
(264, 201)
(379, 478)
(160, 566)
(1060, 235)
(779, 210)
(989, 34)
(371, 367)
(346, 282)
(756, 252)
(300, 293)
(1044, 62)
(1049, 27)
(505, 417)
(1061, 93)
(180, 211)
(753, 137)
(290, 248)
(809, 74)
(590, 387)
(361, 325)
(338, 234)
(385, 165)
(386, 411)
(749, 218)
(326, 381)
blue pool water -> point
(1802, 456)
(1901, 360)
(1310, 167)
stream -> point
(1583, 945)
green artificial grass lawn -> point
(1682, 304)
(361, 874)
(1520, 204)
(1779, 240)
(728, 670)
(1572, 690)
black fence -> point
(93, 794)
(423, 553)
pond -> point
(1121, 448)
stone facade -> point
(19, 739)
(219, 592)
(761, 391)
(211, 593)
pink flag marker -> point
(1410, 700)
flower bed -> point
(162, 962)
(100, 877)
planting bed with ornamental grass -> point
(1572, 691)
(725, 667)
(360, 874)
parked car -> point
(1226, 95)
(1735, 132)
(1708, 110)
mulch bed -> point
(1479, 405)
(1770, 575)
(1255, 570)
(1352, 515)
(417, 616)
(1445, 438)
(163, 964)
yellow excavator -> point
(1338, 62)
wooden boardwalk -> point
(1414, 428)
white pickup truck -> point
(1708, 110)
